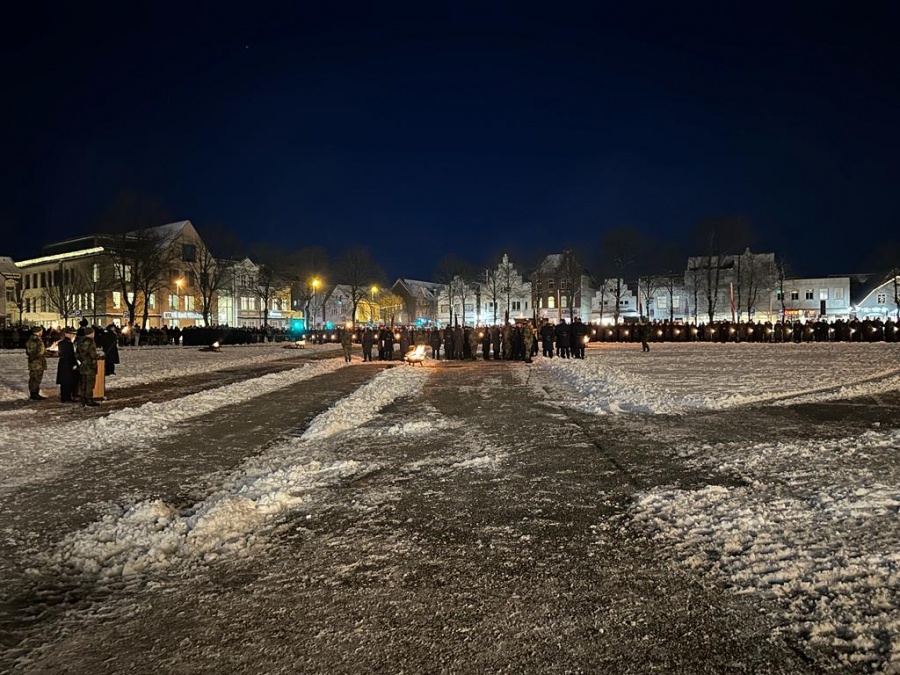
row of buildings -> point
(167, 276)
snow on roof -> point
(8, 268)
(415, 285)
(551, 262)
(168, 231)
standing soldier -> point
(368, 339)
(67, 368)
(473, 343)
(346, 343)
(563, 339)
(645, 336)
(448, 343)
(485, 342)
(37, 362)
(459, 342)
(506, 334)
(495, 342)
(547, 339)
(434, 339)
(579, 333)
(86, 353)
(528, 337)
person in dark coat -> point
(368, 339)
(434, 339)
(109, 342)
(578, 333)
(563, 339)
(644, 331)
(547, 334)
(448, 343)
(67, 368)
(485, 343)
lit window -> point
(117, 299)
(551, 302)
(95, 272)
(152, 301)
(838, 293)
(563, 301)
(661, 302)
(823, 294)
(173, 301)
(189, 303)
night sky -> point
(474, 127)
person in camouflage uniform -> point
(37, 362)
(347, 343)
(472, 339)
(86, 353)
(528, 339)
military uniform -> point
(37, 364)
(346, 343)
(86, 353)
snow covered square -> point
(700, 508)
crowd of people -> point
(80, 350)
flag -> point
(731, 286)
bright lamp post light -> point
(374, 295)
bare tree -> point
(492, 289)
(264, 286)
(19, 297)
(459, 279)
(782, 271)
(648, 285)
(211, 275)
(717, 239)
(357, 270)
(64, 295)
(619, 251)
(569, 274)
(755, 277)
(307, 270)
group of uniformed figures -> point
(76, 370)
(748, 331)
(510, 342)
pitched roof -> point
(168, 231)
(8, 268)
(415, 285)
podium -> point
(99, 392)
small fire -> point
(215, 344)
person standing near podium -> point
(86, 353)
(67, 368)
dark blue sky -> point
(477, 126)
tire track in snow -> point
(152, 535)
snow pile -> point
(25, 449)
(152, 535)
(823, 553)
(677, 378)
(363, 404)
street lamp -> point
(372, 305)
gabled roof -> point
(8, 268)
(864, 285)
(415, 286)
(169, 231)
